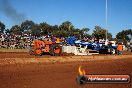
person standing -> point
(120, 48)
(131, 47)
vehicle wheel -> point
(112, 51)
(55, 50)
(38, 52)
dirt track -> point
(59, 75)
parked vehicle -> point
(107, 50)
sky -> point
(82, 13)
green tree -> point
(36, 30)
(45, 28)
(2, 27)
(58, 32)
(7, 31)
(124, 35)
(67, 28)
(27, 26)
(84, 31)
(76, 32)
(100, 33)
(55, 30)
(16, 30)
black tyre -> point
(112, 51)
(55, 50)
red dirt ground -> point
(59, 75)
(26, 55)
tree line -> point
(65, 29)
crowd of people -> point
(11, 41)
(24, 41)
(15, 41)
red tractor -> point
(39, 47)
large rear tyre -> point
(55, 50)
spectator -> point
(120, 48)
(131, 46)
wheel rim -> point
(38, 51)
(57, 50)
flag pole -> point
(106, 19)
